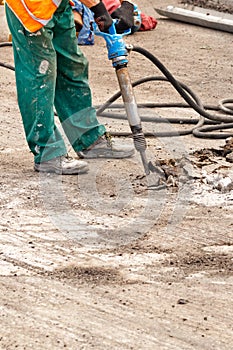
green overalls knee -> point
(51, 72)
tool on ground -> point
(137, 19)
(117, 53)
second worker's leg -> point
(73, 100)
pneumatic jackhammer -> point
(117, 53)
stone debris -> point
(219, 182)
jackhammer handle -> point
(128, 97)
(112, 30)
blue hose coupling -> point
(117, 51)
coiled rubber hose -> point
(216, 122)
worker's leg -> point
(35, 69)
(73, 97)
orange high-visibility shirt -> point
(34, 14)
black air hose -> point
(178, 87)
(215, 122)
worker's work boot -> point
(105, 147)
(63, 165)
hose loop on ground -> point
(204, 125)
(228, 109)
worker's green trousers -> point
(51, 72)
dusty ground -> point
(100, 262)
(219, 5)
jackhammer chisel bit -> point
(117, 53)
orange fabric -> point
(90, 3)
(42, 11)
(37, 13)
(78, 18)
(112, 5)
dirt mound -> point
(219, 5)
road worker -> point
(52, 75)
(136, 20)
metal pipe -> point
(132, 114)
